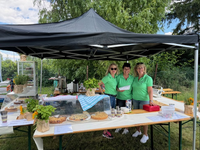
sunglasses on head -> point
(113, 68)
(140, 63)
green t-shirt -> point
(110, 84)
(121, 81)
(140, 88)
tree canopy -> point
(188, 14)
(136, 16)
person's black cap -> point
(126, 65)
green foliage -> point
(44, 111)
(21, 79)
(187, 12)
(172, 78)
(9, 69)
(31, 104)
(91, 83)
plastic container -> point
(168, 111)
(148, 107)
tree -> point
(188, 14)
(137, 16)
(9, 69)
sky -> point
(25, 12)
(19, 12)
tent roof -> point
(86, 37)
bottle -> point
(119, 112)
(128, 105)
(113, 112)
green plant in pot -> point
(42, 114)
(188, 105)
(31, 104)
(91, 85)
(20, 81)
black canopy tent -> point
(86, 37)
(93, 38)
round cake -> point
(55, 120)
(99, 116)
(78, 117)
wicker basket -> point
(23, 58)
(90, 92)
(188, 109)
(42, 125)
(18, 88)
(28, 116)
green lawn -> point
(94, 141)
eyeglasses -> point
(113, 68)
(140, 63)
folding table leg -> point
(180, 135)
(169, 142)
(60, 142)
(29, 137)
(151, 126)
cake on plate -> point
(99, 116)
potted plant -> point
(19, 82)
(42, 114)
(31, 104)
(26, 78)
(91, 85)
(188, 105)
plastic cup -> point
(4, 116)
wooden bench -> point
(168, 90)
(172, 93)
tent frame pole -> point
(195, 93)
(41, 77)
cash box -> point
(148, 107)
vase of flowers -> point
(42, 114)
(91, 86)
(188, 106)
(19, 81)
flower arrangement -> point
(189, 101)
(31, 104)
(43, 112)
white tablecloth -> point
(127, 119)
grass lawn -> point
(95, 141)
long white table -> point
(128, 120)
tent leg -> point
(195, 93)
(41, 78)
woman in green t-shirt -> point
(110, 83)
(124, 79)
(142, 93)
